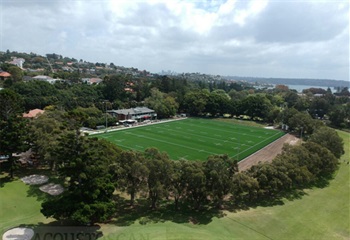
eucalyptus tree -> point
(329, 139)
(178, 181)
(196, 190)
(133, 174)
(219, 171)
(159, 175)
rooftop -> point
(33, 113)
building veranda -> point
(138, 114)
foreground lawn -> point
(195, 139)
(19, 204)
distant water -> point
(300, 88)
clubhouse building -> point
(137, 114)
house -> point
(45, 78)
(92, 81)
(18, 62)
(33, 113)
(138, 114)
(130, 90)
(4, 75)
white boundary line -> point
(172, 120)
(126, 128)
(261, 149)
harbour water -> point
(300, 88)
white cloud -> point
(228, 37)
(253, 9)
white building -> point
(18, 62)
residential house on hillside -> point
(92, 81)
(17, 61)
(33, 113)
(4, 75)
(45, 78)
(138, 114)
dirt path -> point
(268, 153)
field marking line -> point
(228, 125)
(244, 225)
(256, 145)
(225, 131)
(175, 144)
(203, 136)
(129, 128)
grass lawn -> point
(195, 139)
(323, 213)
(19, 204)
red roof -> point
(33, 113)
(5, 74)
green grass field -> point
(323, 213)
(195, 139)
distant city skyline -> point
(287, 39)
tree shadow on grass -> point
(141, 213)
(19, 173)
(4, 179)
(235, 205)
(34, 191)
(27, 171)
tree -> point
(219, 170)
(195, 101)
(178, 181)
(86, 163)
(238, 96)
(319, 107)
(286, 114)
(291, 98)
(271, 181)
(303, 103)
(218, 102)
(16, 73)
(244, 187)
(327, 162)
(329, 139)
(164, 105)
(113, 88)
(13, 127)
(256, 106)
(36, 94)
(196, 183)
(295, 166)
(340, 116)
(44, 132)
(160, 170)
(133, 173)
(302, 122)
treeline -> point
(94, 169)
(171, 95)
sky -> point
(258, 38)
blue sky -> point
(305, 39)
